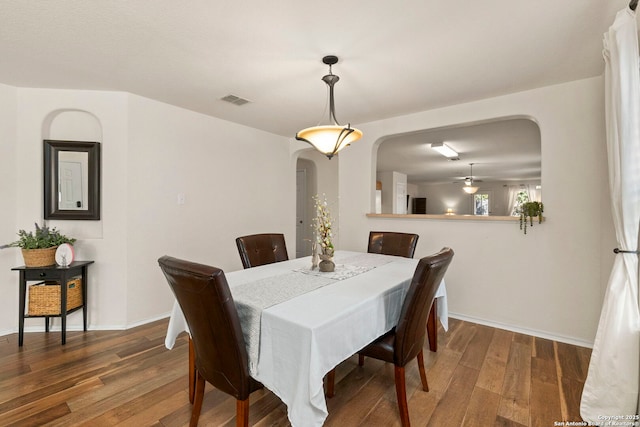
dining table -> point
(298, 323)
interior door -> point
(70, 195)
(301, 200)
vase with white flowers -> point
(324, 234)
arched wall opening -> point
(501, 158)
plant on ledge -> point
(528, 211)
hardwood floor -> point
(480, 376)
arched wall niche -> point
(505, 151)
(74, 125)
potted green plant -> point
(528, 211)
(39, 247)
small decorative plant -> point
(322, 224)
(528, 211)
(43, 238)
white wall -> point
(8, 194)
(79, 115)
(549, 282)
(390, 181)
(236, 180)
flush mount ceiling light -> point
(469, 188)
(445, 150)
(329, 139)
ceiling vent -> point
(235, 100)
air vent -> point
(235, 100)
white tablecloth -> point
(303, 338)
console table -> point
(58, 274)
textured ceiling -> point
(395, 57)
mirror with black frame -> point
(71, 180)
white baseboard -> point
(57, 327)
(526, 331)
(149, 320)
(493, 324)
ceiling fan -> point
(468, 180)
(469, 188)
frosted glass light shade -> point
(470, 189)
(329, 140)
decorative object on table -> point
(39, 248)
(326, 264)
(314, 255)
(65, 255)
(324, 234)
(528, 211)
(331, 138)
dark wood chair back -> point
(406, 340)
(220, 352)
(260, 249)
(411, 328)
(391, 243)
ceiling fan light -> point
(470, 190)
(444, 149)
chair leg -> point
(360, 360)
(242, 413)
(331, 381)
(199, 396)
(432, 327)
(192, 371)
(401, 394)
(423, 375)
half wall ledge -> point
(445, 217)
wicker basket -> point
(39, 257)
(44, 299)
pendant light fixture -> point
(331, 138)
(469, 188)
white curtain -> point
(512, 196)
(512, 201)
(611, 387)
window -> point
(481, 204)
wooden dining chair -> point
(406, 341)
(220, 352)
(260, 249)
(404, 245)
(254, 250)
(392, 243)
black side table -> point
(60, 275)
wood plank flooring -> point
(480, 376)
